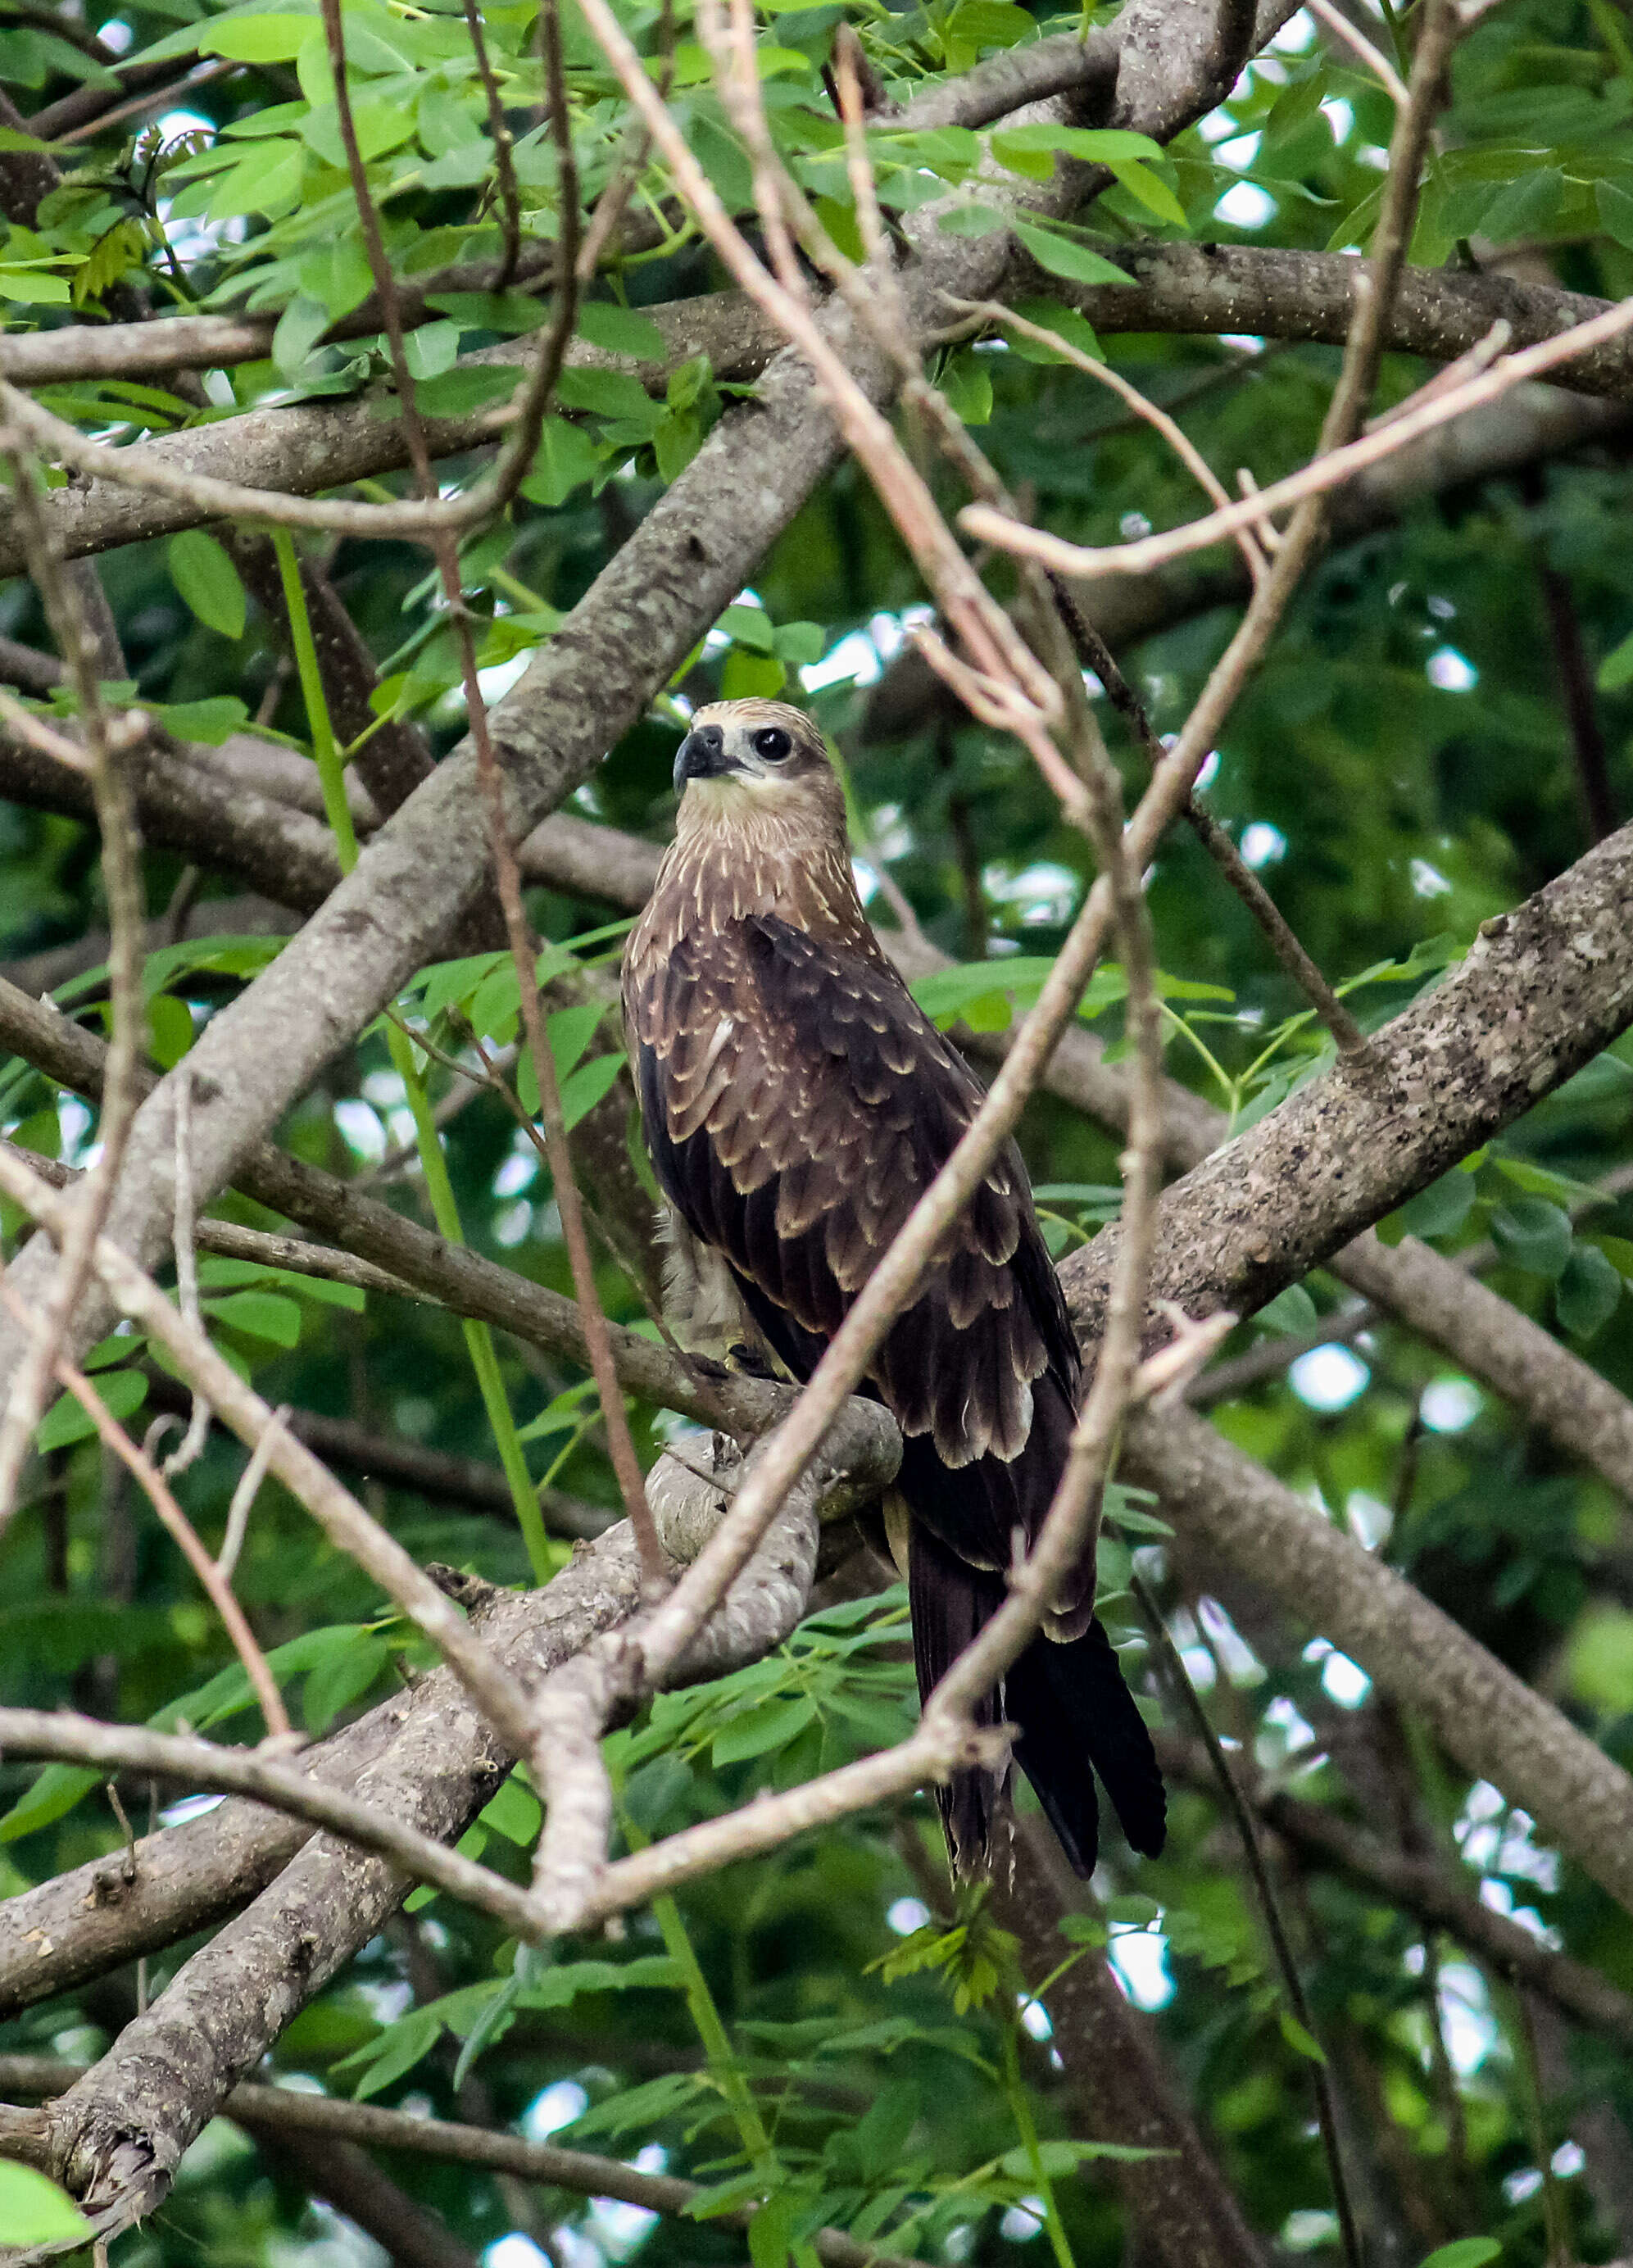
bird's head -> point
(748, 761)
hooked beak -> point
(702, 756)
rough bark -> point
(1248, 292)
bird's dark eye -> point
(773, 744)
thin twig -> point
(276, 2108)
(1375, 60)
(265, 1248)
(1316, 480)
(186, 1268)
(510, 195)
(114, 1438)
(985, 629)
(122, 883)
(1283, 940)
(1190, 456)
(244, 1495)
(523, 946)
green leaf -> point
(1083, 1929)
(755, 1731)
(299, 328)
(966, 382)
(514, 1813)
(1442, 1208)
(1464, 2252)
(750, 626)
(1150, 190)
(510, 313)
(1095, 145)
(262, 1314)
(555, 1988)
(216, 1274)
(621, 331)
(1296, 2037)
(566, 458)
(203, 572)
(749, 676)
(49, 1797)
(342, 1679)
(1588, 1292)
(1599, 1660)
(973, 220)
(124, 1391)
(1068, 326)
(1064, 256)
(1533, 1235)
(256, 38)
(33, 2209)
(1291, 1311)
(461, 393)
(771, 2230)
(1616, 669)
(395, 2054)
(212, 721)
(1615, 211)
(979, 992)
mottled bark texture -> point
(1542, 991)
(189, 807)
(313, 445)
(276, 2110)
(1494, 1726)
(1247, 292)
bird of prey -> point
(797, 1102)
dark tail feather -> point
(950, 1601)
(1069, 1703)
(1074, 1709)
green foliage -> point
(33, 2211)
